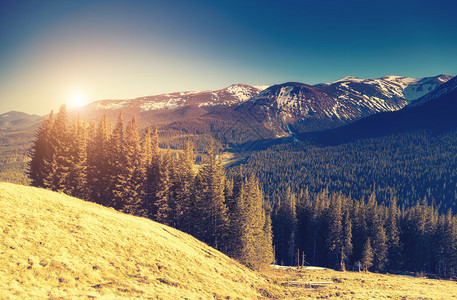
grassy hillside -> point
(53, 245)
(56, 246)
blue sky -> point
(53, 51)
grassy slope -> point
(54, 245)
(355, 285)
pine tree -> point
(116, 161)
(163, 202)
(41, 153)
(77, 179)
(393, 237)
(153, 176)
(256, 249)
(97, 164)
(183, 190)
(58, 167)
(346, 250)
(335, 231)
(266, 250)
(377, 234)
(284, 228)
(304, 225)
(367, 256)
(132, 174)
(236, 207)
(212, 202)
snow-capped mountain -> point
(424, 86)
(443, 89)
(300, 107)
(435, 112)
(232, 95)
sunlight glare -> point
(77, 100)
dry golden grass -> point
(56, 246)
(360, 285)
(53, 245)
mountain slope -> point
(300, 107)
(229, 96)
(435, 111)
(15, 120)
(54, 245)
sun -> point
(77, 100)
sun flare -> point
(77, 100)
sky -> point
(61, 51)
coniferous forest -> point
(299, 224)
(126, 170)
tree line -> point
(329, 229)
(117, 167)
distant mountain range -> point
(15, 120)
(300, 107)
(435, 111)
(258, 112)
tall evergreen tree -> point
(256, 249)
(284, 229)
(153, 176)
(116, 161)
(59, 165)
(77, 179)
(236, 207)
(211, 200)
(346, 249)
(367, 256)
(97, 164)
(377, 234)
(184, 186)
(164, 203)
(335, 230)
(133, 173)
(41, 153)
(393, 237)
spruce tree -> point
(153, 176)
(77, 179)
(284, 228)
(97, 164)
(163, 201)
(346, 250)
(256, 247)
(377, 234)
(183, 189)
(393, 237)
(41, 153)
(212, 203)
(335, 231)
(116, 160)
(367, 256)
(236, 207)
(58, 168)
(132, 173)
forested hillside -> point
(410, 166)
(14, 156)
(329, 229)
(317, 222)
(115, 167)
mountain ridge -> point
(434, 111)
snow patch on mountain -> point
(233, 95)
